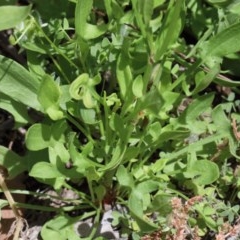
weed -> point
(136, 108)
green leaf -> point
(10, 16)
(34, 64)
(226, 82)
(78, 158)
(83, 29)
(124, 177)
(78, 86)
(3, 203)
(132, 153)
(234, 7)
(208, 220)
(92, 174)
(203, 172)
(124, 75)
(169, 98)
(61, 227)
(117, 125)
(59, 157)
(36, 47)
(221, 121)
(219, 2)
(58, 129)
(171, 28)
(147, 10)
(17, 109)
(101, 192)
(223, 43)
(162, 204)
(151, 101)
(88, 100)
(44, 170)
(203, 81)
(78, 110)
(143, 12)
(137, 86)
(17, 83)
(145, 225)
(208, 211)
(147, 186)
(81, 89)
(159, 165)
(14, 163)
(166, 135)
(224, 127)
(154, 130)
(49, 95)
(88, 115)
(196, 108)
(38, 137)
(59, 152)
(135, 204)
(116, 159)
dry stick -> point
(8, 195)
(235, 129)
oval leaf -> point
(38, 137)
(84, 29)
(204, 172)
(137, 86)
(88, 115)
(44, 170)
(10, 16)
(124, 177)
(48, 96)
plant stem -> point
(54, 46)
(82, 195)
(96, 223)
(91, 189)
(59, 69)
(74, 122)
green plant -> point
(127, 107)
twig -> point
(19, 220)
(235, 129)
